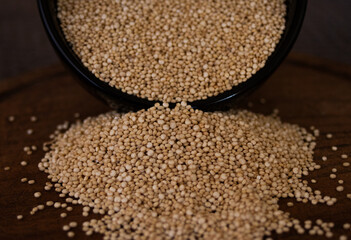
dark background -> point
(24, 46)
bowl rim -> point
(285, 44)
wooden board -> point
(306, 91)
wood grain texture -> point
(306, 91)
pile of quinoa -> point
(182, 173)
(173, 50)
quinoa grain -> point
(180, 174)
(37, 194)
(173, 50)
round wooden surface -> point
(306, 91)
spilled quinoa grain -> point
(184, 174)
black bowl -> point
(114, 97)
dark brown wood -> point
(306, 91)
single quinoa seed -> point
(339, 188)
(30, 182)
(173, 50)
(73, 224)
(344, 156)
(19, 217)
(23, 180)
(334, 148)
(11, 119)
(346, 226)
(70, 234)
(33, 119)
(30, 131)
(37, 194)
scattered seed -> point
(7, 168)
(332, 176)
(41, 207)
(24, 163)
(346, 226)
(11, 119)
(49, 203)
(70, 234)
(30, 131)
(324, 158)
(346, 164)
(329, 234)
(341, 181)
(316, 132)
(290, 204)
(339, 188)
(343, 237)
(73, 224)
(19, 217)
(334, 170)
(33, 119)
(63, 215)
(30, 182)
(65, 228)
(313, 181)
(37, 194)
(24, 180)
(57, 205)
(329, 135)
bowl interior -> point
(294, 18)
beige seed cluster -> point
(184, 174)
(173, 50)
